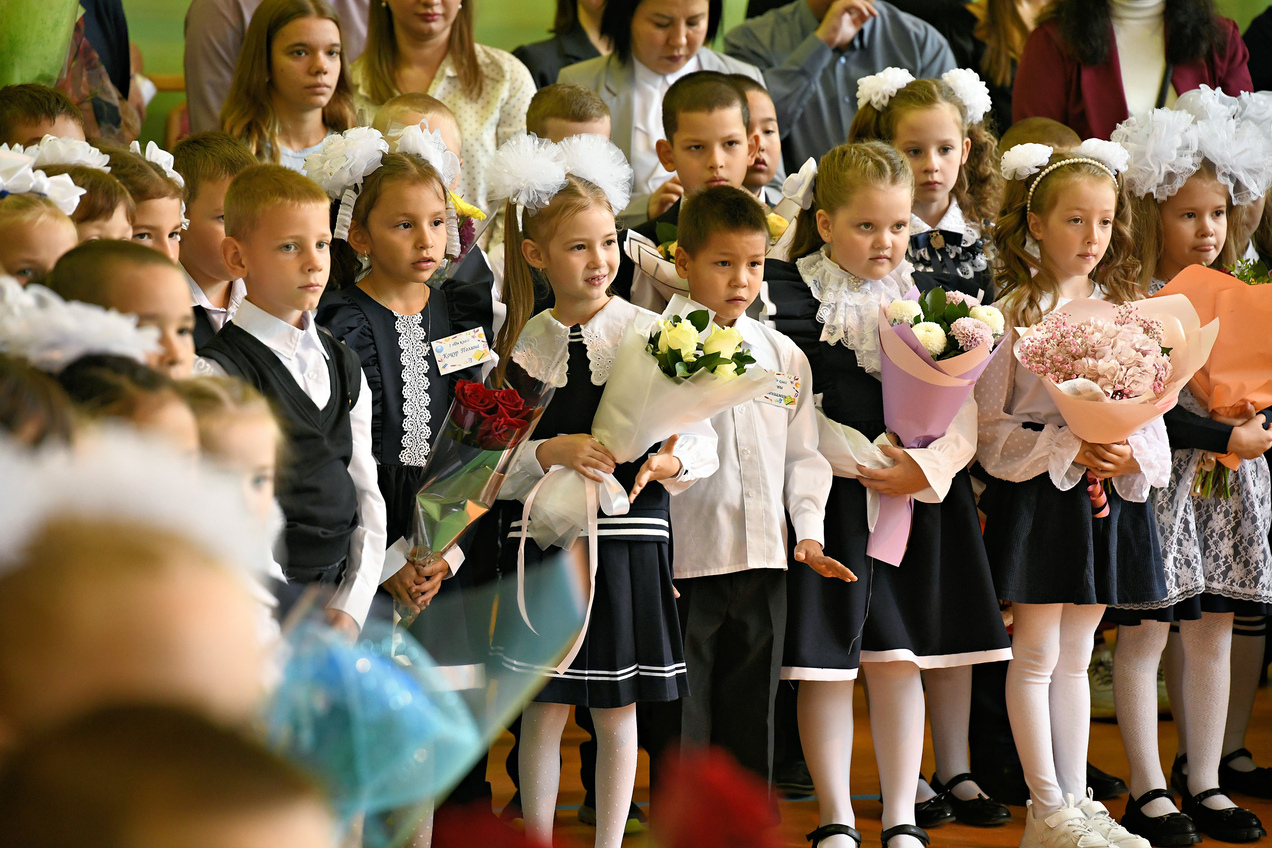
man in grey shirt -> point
(812, 53)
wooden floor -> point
(799, 817)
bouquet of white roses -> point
(681, 350)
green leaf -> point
(665, 232)
(682, 370)
(955, 311)
(699, 318)
(934, 304)
(711, 361)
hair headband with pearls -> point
(1024, 160)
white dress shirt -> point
(216, 315)
(301, 352)
(735, 520)
(647, 124)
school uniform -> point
(731, 556)
(209, 319)
(335, 515)
(632, 649)
(951, 255)
(545, 59)
(938, 608)
(1044, 544)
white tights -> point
(1049, 698)
(540, 764)
(949, 705)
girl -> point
(1061, 573)
(34, 234)
(290, 89)
(106, 210)
(156, 191)
(561, 227)
(849, 247)
(938, 126)
(1215, 548)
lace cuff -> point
(1151, 449)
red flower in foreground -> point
(706, 800)
(510, 403)
(499, 432)
(475, 396)
(475, 826)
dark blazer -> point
(1051, 83)
(545, 59)
(1258, 40)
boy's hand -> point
(665, 196)
(810, 553)
(843, 20)
(904, 478)
(343, 624)
(660, 466)
(580, 451)
(1105, 461)
(1249, 439)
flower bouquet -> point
(486, 425)
(654, 280)
(1239, 370)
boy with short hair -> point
(29, 112)
(278, 235)
(564, 109)
(208, 162)
(762, 177)
(733, 601)
(128, 277)
(708, 142)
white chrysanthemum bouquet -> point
(948, 323)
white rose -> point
(724, 341)
(726, 371)
(931, 336)
(991, 316)
(682, 337)
(903, 311)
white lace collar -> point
(951, 222)
(849, 312)
(543, 344)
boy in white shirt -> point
(730, 550)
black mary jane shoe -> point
(934, 811)
(828, 830)
(981, 811)
(1256, 784)
(904, 830)
(1173, 830)
(1235, 824)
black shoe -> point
(1104, 787)
(1178, 777)
(1173, 830)
(828, 830)
(904, 830)
(1234, 824)
(1256, 784)
(793, 781)
(981, 811)
(1005, 784)
(933, 812)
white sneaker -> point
(1065, 828)
(1099, 820)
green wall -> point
(156, 26)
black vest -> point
(315, 490)
(203, 329)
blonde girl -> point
(1064, 233)
(34, 234)
(562, 234)
(158, 209)
(849, 260)
(1187, 181)
(290, 85)
(938, 126)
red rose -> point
(510, 403)
(475, 396)
(706, 800)
(500, 431)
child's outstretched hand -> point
(580, 452)
(904, 478)
(810, 553)
(660, 466)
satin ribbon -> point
(607, 496)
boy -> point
(137, 776)
(762, 177)
(707, 123)
(559, 111)
(208, 162)
(128, 277)
(29, 112)
(277, 239)
(410, 109)
(733, 601)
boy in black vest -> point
(277, 240)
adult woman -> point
(656, 42)
(412, 47)
(290, 88)
(576, 38)
(1070, 71)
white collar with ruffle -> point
(542, 347)
(849, 311)
(952, 221)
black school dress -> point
(938, 608)
(632, 650)
(950, 255)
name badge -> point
(461, 350)
(786, 393)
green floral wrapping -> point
(34, 38)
